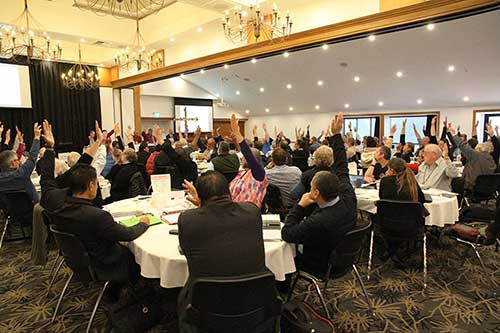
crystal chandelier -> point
(240, 24)
(136, 54)
(132, 9)
(20, 39)
(80, 76)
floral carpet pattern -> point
(459, 297)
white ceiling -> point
(471, 44)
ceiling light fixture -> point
(202, 71)
(237, 92)
(347, 106)
(419, 101)
(136, 54)
(254, 61)
(289, 86)
(381, 103)
(21, 40)
(172, 39)
(451, 68)
(261, 89)
(226, 66)
(372, 38)
(317, 107)
(430, 26)
(239, 25)
(80, 76)
(267, 110)
(324, 47)
(286, 54)
(247, 111)
(320, 83)
(199, 29)
(217, 95)
(290, 108)
(466, 99)
(356, 79)
(399, 74)
(131, 9)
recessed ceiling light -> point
(237, 92)
(217, 95)
(317, 107)
(451, 68)
(247, 111)
(182, 75)
(267, 110)
(346, 105)
(202, 71)
(372, 38)
(356, 79)
(430, 26)
(254, 61)
(325, 47)
(286, 54)
(82, 40)
(320, 83)
(226, 66)
(199, 29)
(261, 89)
(399, 74)
(380, 103)
(172, 39)
(466, 98)
(290, 108)
(289, 86)
(419, 101)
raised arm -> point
(339, 154)
(465, 150)
(417, 135)
(494, 140)
(402, 135)
(47, 180)
(257, 169)
(432, 136)
(92, 150)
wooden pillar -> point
(137, 109)
(106, 75)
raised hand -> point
(48, 136)
(254, 131)
(19, 135)
(7, 136)
(458, 128)
(336, 125)
(496, 129)
(433, 121)
(404, 123)
(349, 125)
(130, 136)
(192, 194)
(452, 131)
(117, 129)
(264, 126)
(99, 137)
(444, 148)
(414, 127)
(445, 122)
(235, 129)
(1, 128)
(393, 130)
(489, 130)
(36, 131)
(197, 131)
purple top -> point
(257, 169)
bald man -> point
(437, 169)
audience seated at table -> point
(250, 184)
(15, 176)
(437, 169)
(225, 163)
(333, 216)
(283, 176)
(74, 212)
(221, 238)
(400, 183)
(378, 169)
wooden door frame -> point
(383, 22)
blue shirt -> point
(109, 164)
(20, 179)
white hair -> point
(73, 158)
(435, 149)
(483, 147)
(60, 167)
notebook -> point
(130, 222)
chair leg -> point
(368, 301)
(61, 297)
(370, 254)
(425, 261)
(480, 259)
(98, 301)
(321, 298)
(4, 230)
(294, 283)
(55, 274)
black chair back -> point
(400, 219)
(18, 206)
(486, 186)
(348, 251)
(74, 253)
(235, 304)
(137, 185)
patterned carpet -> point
(458, 297)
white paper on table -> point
(171, 218)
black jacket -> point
(322, 230)
(120, 175)
(94, 227)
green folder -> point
(134, 220)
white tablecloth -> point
(157, 252)
(443, 209)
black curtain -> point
(71, 112)
(376, 131)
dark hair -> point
(472, 142)
(258, 145)
(327, 183)
(357, 142)
(386, 152)
(284, 145)
(301, 143)
(80, 177)
(371, 142)
(211, 185)
(232, 146)
(280, 156)
(223, 148)
(143, 146)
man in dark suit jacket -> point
(220, 238)
(74, 212)
(334, 215)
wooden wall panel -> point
(106, 75)
(137, 109)
(393, 4)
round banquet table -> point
(443, 209)
(157, 251)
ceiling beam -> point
(406, 15)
